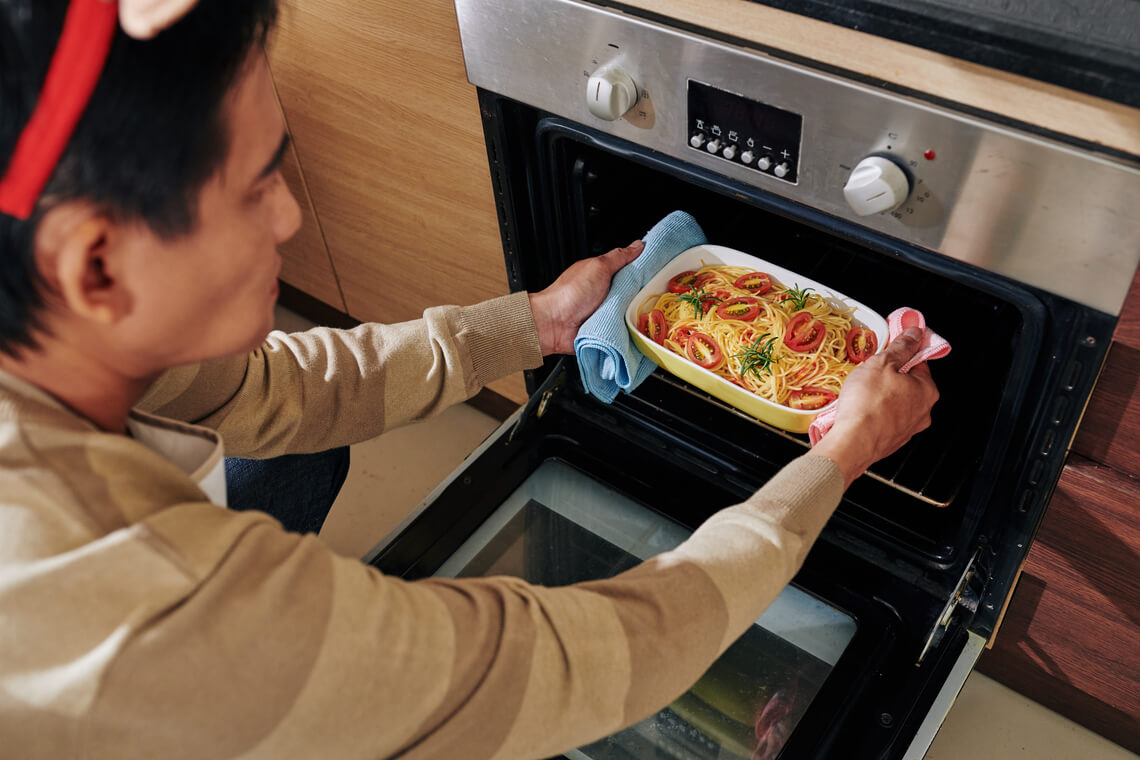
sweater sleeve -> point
(323, 388)
(282, 649)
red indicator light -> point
(928, 155)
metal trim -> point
(947, 695)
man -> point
(140, 619)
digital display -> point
(744, 131)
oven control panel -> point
(746, 132)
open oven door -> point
(568, 490)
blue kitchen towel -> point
(608, 360)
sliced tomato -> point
(653, 325)
(805, 333)
(744, 308)
(861, 344)
(703, 279)
(682, 282)
(703, 351)
(682, 334)
(810, 398)
(756, 282)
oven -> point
(1018, 249)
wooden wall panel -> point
(1071, 635)
(305, 262)
(387, 129)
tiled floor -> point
(987, 722)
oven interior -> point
(919, 501)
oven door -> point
(567, 491)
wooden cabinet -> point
(388, 136)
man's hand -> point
(144, 19)
(880, 408)
(577, 293)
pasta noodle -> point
(786, 345)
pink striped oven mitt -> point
(934, 346)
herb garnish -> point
(698, 299)
(758, 357)
(798, 297)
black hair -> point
(151, 136)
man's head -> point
(166, 206)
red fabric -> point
(75, 67)
(933, 346)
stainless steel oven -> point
(1018, 249)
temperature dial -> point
(877, 184)
(610, 92)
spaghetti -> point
(787, 345)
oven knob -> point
(877, 184)
(729, 152)
(781, 170)
(697, 140)
(713, 146)
(610, 92)
(746, 157)
(764, 163)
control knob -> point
(747, 156)
(876, 184)
(610, 92)
(781, 170)
(729, 152)
(697, 140)
(764, 163)
(713, 146)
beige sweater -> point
(138, 620)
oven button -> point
(764, 163)
(610, 92)
(877, 184)
(713, 146)
(781, 170)
(729, 152)
(746, 157)
(698, 140)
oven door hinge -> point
(536, 405)
(964, 601)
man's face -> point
(211, 293)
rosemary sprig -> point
(798, 297)
(758, 357)
(698, 298)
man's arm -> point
(315, 390)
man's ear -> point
(77, 257)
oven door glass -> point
(562, 526)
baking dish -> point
(783, 417)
